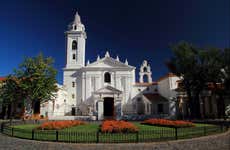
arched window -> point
(145, 69)
(73, 84)
(145, 78)
(107, 77)
(74, 56)
(74, 45)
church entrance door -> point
(108, 108)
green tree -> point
(186, 64)
(10, 94)
(226, 77)
(199, 67)
(212, 63)
(38, 82)
(226, 69)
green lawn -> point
(89, 133)
(95, 127)
(26, 126)
(84, 128)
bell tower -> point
(75, 47)
(145, 71)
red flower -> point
(169, 123)
(56, 125)
(118, 127)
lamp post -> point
(64, 107)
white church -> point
(107, 87)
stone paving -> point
(215, 142)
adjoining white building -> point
(107, 87)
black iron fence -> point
(162, 134)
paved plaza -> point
(215, 142)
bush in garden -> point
(113, 126)
(56, 125)
(34, 117)
(227, 111)
(168, 123)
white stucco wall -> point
(58, 106)
(167, 88)
(90, 78)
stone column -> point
(206, 105)
(100, 112)
(83, 87)
(180, 107)
(201, 100)
(214, 105)
(118, 110)
(172, 108)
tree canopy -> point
(197, 67)
(33, 81)
(38, 78)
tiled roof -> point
(2, 78)
(211, 86)
(166, 76)
(154, 97)
(146, 84)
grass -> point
(26, 126)
(89, 133)
(84, 128)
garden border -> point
(98, 137)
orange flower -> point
(112, 126)
(169, 123)
(56, 125)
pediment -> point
(108, 90)
(108, 62)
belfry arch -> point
(145, 71)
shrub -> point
(34, 117)
(113, 126)
(56, 125)
(227, 111)
(168, 123)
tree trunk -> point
(190, 105)
(32, 107)
(13, 111)
(220, 102)
(3, 114)
(220, 106)
(196, 106)
(9, 111)
(37, 107)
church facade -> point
(107, 87)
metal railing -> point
(159, 134)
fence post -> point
(137, 136)
(222, 127)
(176, 137)
(97, 137)
(12, 131)
(33, 134)
(2, 127)
(56, 135)
(227, 126)
(205, 130)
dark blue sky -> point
(133, 29)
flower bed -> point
(113, 126)
(34, 117)
(56, 125)
(168, 123)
